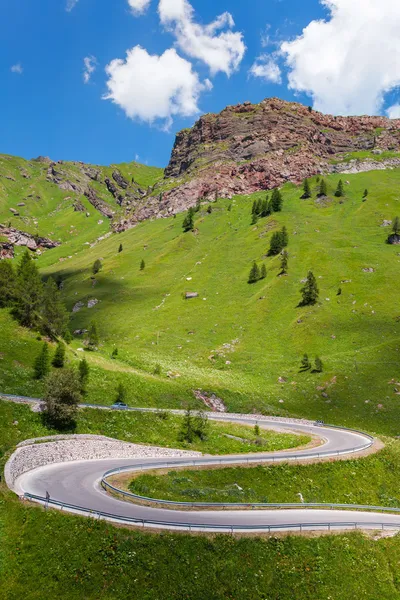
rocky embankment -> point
(15, 237)
(31, 455)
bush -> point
(97, 266)
(62, 396)
(42, 363)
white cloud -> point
(139, 6)
(266, 68)
(349, 61)
(18, 68)
(150, 87)
(214, 44)
(90, 64)
(393, 112)
(71, 4)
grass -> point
(17, 423)
(370, 481)
(237, 340)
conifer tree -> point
(254, 273)
(121, 393)
(365, 194)
(84, 372)
(142, 265)
(259, 207)
(309, 291)
(305, 363)
(254, 219)
(306, 189)
(67, 336)
(254, 208)
(263, 271)
(339, 193)
(186, 432)
(54, 313)
(285, 237)
(114, 353)
(42, 363)
(198, 205)
(396, 225)
(284, 262)
(62, 397)
(59, 356)
(201, 425)
(323, 188)
(318, 365)
(209, 209)
(97, 266)
(276, 200)
(120, 248)
(28, 293)
(7, 283)
(93, 336)
(265, 208)
(188, 222)
(276, 244)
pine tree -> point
(365, 194)
(84, 371)
(310, 291)
(97, 266)
(114, 353)
(276, 200)
(254, 208)
(120, 248)
(276, 244)
(396, 225)
(67, 336)
(264, 208)
(323, 188)
(259, 207)
(188, 222)
(318, 365)
(198, 205)
(62, 397)
(93, 336)
(121, 394)
(7, 283)
(186, 432)
(59, 356)
(54, 313)
(201, 425)
(339, 190)
(306, 189)
(209, 209)
(263, 271)
(254, 273)
(254, 219)
(142, 265)
(42, 363)
(284, 262)
(28, 293)
(305, 363)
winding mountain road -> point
(76, 487)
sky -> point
(108, 81)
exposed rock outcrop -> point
(21, 238)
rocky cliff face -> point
(252, 147)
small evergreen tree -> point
(62, 397)
(42, 363)
(157, 369)
(198, 205)
(230, 208)
(309, 291)
(114, 353)
(54, 313)
(209, 209)
(7, 283)
(396, 225)
(97, 266)
(257, 430)
(259, 207)
(28, 293)
(318, 365)
(276, 200)
(306, 189)
(120, 249)
(201, 425)
(305, 363)
(266, 207)
(254, 218)
(186, 432)
(84, 372)
(277, 244)
(120, 394)
(365, 194)
(188, 222)
(142, 265)
(339, 193)
(254, 208)
(67, 336)
(263, 272)
(93, 336)
(323, 188)
(285, 236)
(254, 273)
(284, 262)
(59, 356)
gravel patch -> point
(31, 454)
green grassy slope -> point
(238, 339)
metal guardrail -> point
(324, 526)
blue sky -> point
(341, 56)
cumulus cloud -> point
(265, 67)
(90, 64)
(18, 68)
(150, 87)
(139, 6)
(71, 4)
(350, 60)
(393, 112)
(215, 44)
